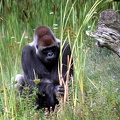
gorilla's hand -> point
(59, 90)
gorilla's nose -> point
(50, 54)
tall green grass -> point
(94, 91)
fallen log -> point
(107, 33)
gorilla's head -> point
(46, 45)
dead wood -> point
(108, 31)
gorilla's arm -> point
(66, 52)
(49, 90)
(32, 66)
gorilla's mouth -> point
(51, 60)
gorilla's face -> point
(48, 54)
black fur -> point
(34, 68)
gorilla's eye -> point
(45, 52)
(54, 49)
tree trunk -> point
(108, 31)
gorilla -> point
(40, 60)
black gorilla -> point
(40, 60)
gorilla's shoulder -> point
(28, 49)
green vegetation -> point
(95, 94)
